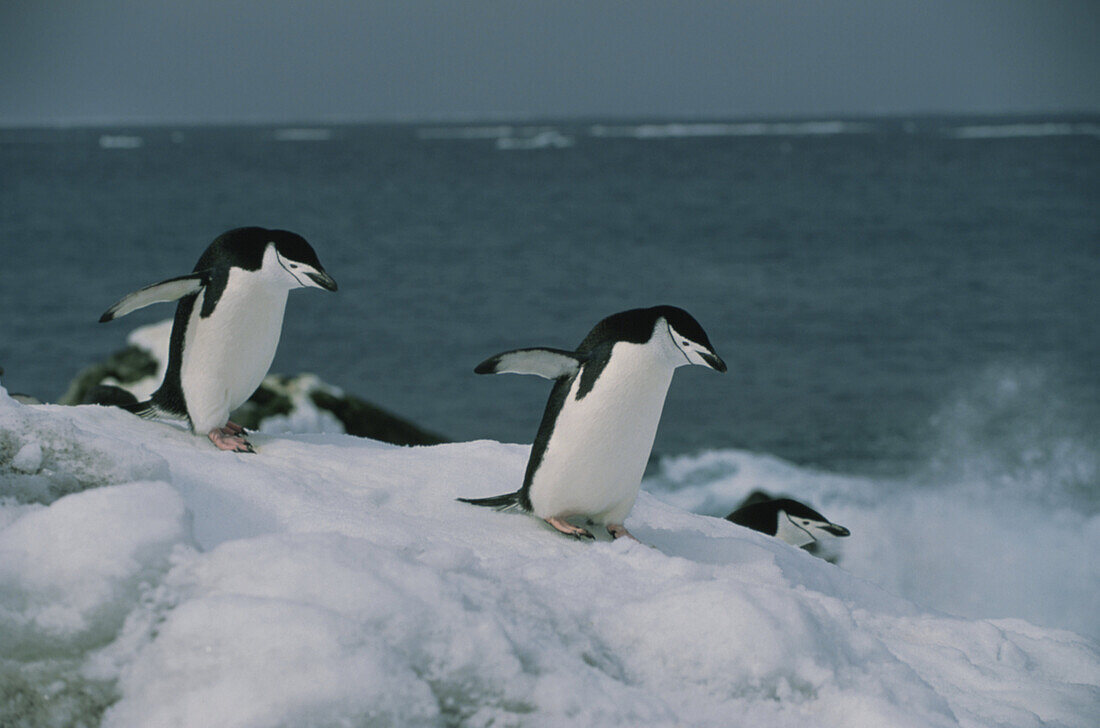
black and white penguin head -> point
(283, 258)
(673, 332)
(787, 520)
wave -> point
(1001, 520)
(1042, 129)
(972, 549)
(683, 130)
(303, 134)
(549, 139)
(465, 132)
(120, 141)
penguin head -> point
(786, 519)
(689, 339)
(671, 331)
(800, 525)
(297, 259)
(282, 257)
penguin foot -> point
(617, 531)
(224, 439)
(232, 428)
(568, 528)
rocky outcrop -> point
(300, 403)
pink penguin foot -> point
(617, 531)
(568, 528)
(224, 439)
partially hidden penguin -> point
(227, 327)
(788, 520)
(592, 447)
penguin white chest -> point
(227, 354)
(596, 456)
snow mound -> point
(70, 572)
(334, 581)
(43, 458)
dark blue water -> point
(861, 279)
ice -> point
(1016, 131)
(70, 572)
(28, 459)
(740, 129)
(43, 457)
(330, 581)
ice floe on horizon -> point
(1040, 129)
(675, 130)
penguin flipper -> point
(169, 290)
(505, 502)
(549, 363)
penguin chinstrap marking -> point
(227, 326)
(788, 520)
(597, 432)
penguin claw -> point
(569, 529)
(618, 531)
(224, 440)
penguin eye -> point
(294, 265)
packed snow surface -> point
(147, 579)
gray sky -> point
(250, 60)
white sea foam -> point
(685, 129)
(330, 580)
(1001, 521)
(120, 141)
(507, 137)
(546, 139)
(1041, 129)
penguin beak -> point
(836, 530)
(713, 361)
(322, 279)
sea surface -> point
(888, 293)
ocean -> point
(885, 291)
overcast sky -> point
(312, 60)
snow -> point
(147, 579)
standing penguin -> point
(598, 429)
(227, 326)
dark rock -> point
(276, 396)
(127, 366)
(363, 419)
(109, 396)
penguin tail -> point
(147, 410)
(506, 502)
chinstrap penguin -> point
(227, 326)
(787, 520)
(591, 449)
